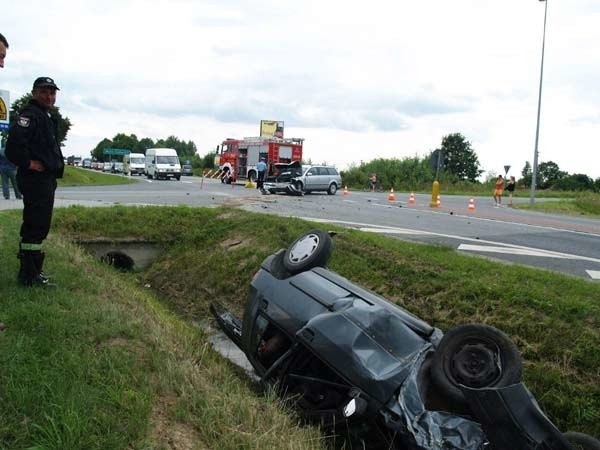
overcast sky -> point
(358, 80)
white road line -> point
(595, 274)
(393, 230)
(513, 251)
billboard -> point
(4, 109)
(270, 128)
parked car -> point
(293, 178)
(348, 357)
(186, 169)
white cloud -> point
(357, 80)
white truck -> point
(162, 163)
(134, 164)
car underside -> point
(356, 363)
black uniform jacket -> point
(33, 137)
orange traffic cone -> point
(345, 190)
(439, 201)
(471, 204)
(411, 199)
(392, 196)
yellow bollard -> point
(435, 193)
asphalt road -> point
(565, 244)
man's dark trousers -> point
(38, 202)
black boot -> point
(38, 260)
(29, 274)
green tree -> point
(575, 182)
(143, 145)
(526, 175)
(548, 174)
(64, 123)
(124, 141)
(459, 158)
(98, 152)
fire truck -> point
(238, 157)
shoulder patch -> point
(23, 121)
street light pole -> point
(537, 129)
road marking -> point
(595, 274)
(394, 230)
(514, 251)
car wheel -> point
(178, 177)
(581, 441)
(312, 249)
(299, 186)
(476, 356)
(252, 176)
(332, 189)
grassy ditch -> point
(76, 176)
(103, 362)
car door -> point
(311, 179)
(323, 178)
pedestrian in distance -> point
(510, 187)
(33, 146)
(373, 180)
(498, 191)
(8, 172)
(261, 169)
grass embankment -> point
(76, 176)
(586, 204)
(101, 363)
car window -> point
(332, 171)
(312, 171)
(271, 343)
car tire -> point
(299, 186)
(252, 176)
(477, 356)
(178, 177)
(332, 189)
(581, 441)
(312, 249)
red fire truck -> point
(238, 157)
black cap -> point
(44, 82)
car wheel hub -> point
(304, 248)
(476, 365)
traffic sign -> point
(506, 169)
(115, 151)
(436, 160)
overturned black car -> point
(348, 356)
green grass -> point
(586, 204)
(103, 362)
(76, 176)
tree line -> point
(459, 168)
(185, 150)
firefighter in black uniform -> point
(32, 145)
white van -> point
(162, 163)
(134, 164)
